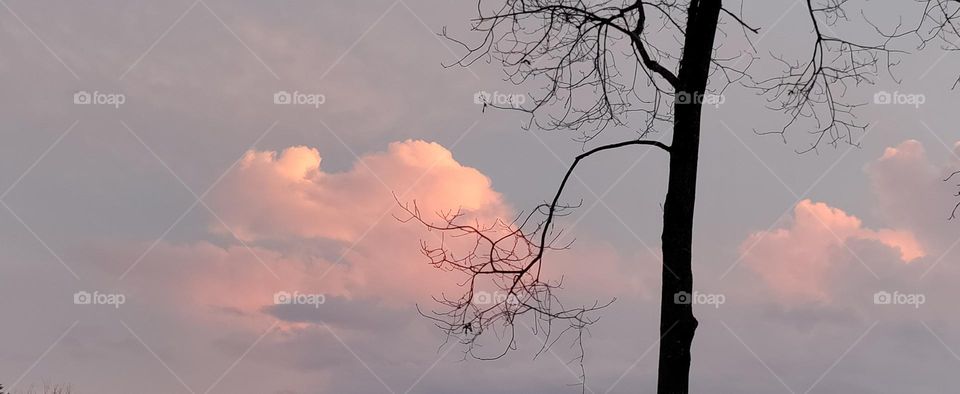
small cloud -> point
(796, 261)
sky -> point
(156, 200)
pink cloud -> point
(274, 195)
(909, 190)
(802, 260)
(796, 262)
(287, 196)
(334, 233)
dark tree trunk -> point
(677, 324)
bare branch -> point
(956, 208)
(739, 20)
(811, 91)
(502, 264)
(573, 49)
(939, 21)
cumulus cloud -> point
(346, 219)
(275, 195)
(910, 192)
(333, 233)
(796, 261)
(800, 262)
(312, 231)
(316, 232)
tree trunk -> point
(677, 323)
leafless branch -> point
(953, 214)
(502, 264)
(579, 51)
(938, 21)
(810, 92)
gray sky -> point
(103, 199)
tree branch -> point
(509, 256)
(956, 208)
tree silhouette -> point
(643, 65)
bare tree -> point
(642, 65)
